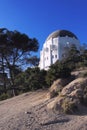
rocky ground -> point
(29, 112)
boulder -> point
(57, 86)
(70, 96)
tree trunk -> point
(12, 82)
(3, 75)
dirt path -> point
(29, 112)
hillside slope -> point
(29, 112)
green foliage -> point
(71, 57)
(33, 61)
(4, 96)
(15, 50)
(57, 70)
(31, 79)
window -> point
(46, 49)
(52, 56)
(53, 47)
(55, 56)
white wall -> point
(53, 49)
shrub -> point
(69, 107)
(4, 96)
(57, 70)
(83, 99)
(52, 94)
(31, 79)
(85, 74)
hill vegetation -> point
(16, 53)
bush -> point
(83, 99)
(4, 96)
(69, 107)
(85, 74)
(31, 79)
(57, 70)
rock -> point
(79, 83)
(71, 94)
(26, 112)
(57, 86)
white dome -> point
(61, 33)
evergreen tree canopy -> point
(15, 50)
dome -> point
(61, 33)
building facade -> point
(54, 46)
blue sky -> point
(39, 18)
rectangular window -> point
(55, 56)
(52, 56)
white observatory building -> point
(54, 45)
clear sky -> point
(39, 18)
